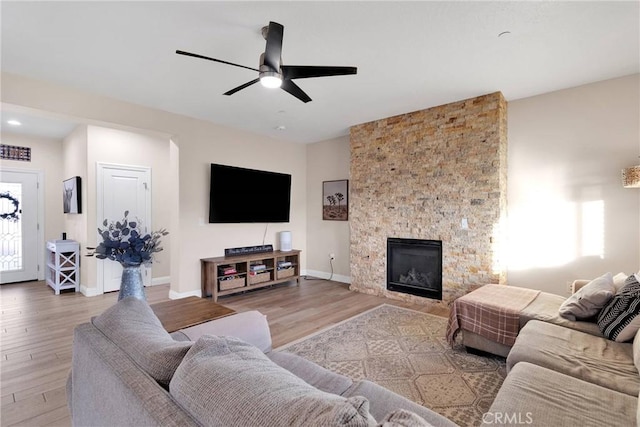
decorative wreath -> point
(11, 216)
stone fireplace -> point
(436, 174)
(414, 266)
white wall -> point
(74, 163)
(326, 161)
(566, 150)
(569, 216)
(197, 144)
(115, 146)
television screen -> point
(248, 195)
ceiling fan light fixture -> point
(271, 73)
(270, 79)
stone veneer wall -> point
(418, 175)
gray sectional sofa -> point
(566, 373)
(128, 371)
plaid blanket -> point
(492, 311)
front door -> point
(18, 226)
(122, 188)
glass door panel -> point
(11, 258)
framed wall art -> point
(335, 200)
(71, 200)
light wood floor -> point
(37, 333)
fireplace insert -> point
(414, 266)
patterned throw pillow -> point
(616, 320)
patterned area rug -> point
(406, 351)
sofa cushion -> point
(256, 390)
(312, 373)
(403, 418)
(616, 320)
(583, 356)
(134, 327)
(535, 396)
(383, 401)
(589, 300)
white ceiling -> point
(36, 125)
(410, 55)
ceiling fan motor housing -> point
(264, 68)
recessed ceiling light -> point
(281, 127)
(14, 122)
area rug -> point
(406, 351)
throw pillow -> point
(618, 281)
(617, 320)
(589, 300)
(134, 327)
(224, 381)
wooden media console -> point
(234, 274)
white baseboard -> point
(324, 275)
(164, 280)
(92, 292)
(178, 295)
(89, 292)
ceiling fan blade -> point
(305, 72)
(195, 55)
(273, 50)
(294, 89)
(236, 89)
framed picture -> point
(335, 200)
(71, 200)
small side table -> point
(182, 313)
(63, 265)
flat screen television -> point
(248, 195)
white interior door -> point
(18, 226)
(122, 188)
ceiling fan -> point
(272, 73)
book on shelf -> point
(227, 269)
(257, 267)
(283, 264)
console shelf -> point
(234, 274)
(63, 265)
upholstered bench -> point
(490, 318)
